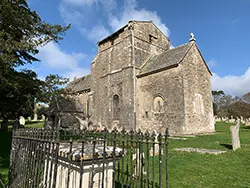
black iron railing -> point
(88, 158)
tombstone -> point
(247, 122)
(139, 157)
(29, 118)
(156, 148)
(21, 120)
(43, 118)
(4, 125)
(35, 117)
(235, 135)
(232, 121)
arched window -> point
(158, 104)
(116, 107)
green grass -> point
(5, 146)
(231, 169)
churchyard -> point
(186, 169)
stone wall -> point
(75, 111)
(112, 74)
(149, 40)
(197, 94)
(113, 71)
(167, 85)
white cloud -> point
(211, 63)
(130, 12)
(97, 33)
(80, 2)
(67, 65)
(76, 18)
(234, 85)
(108, 5)
(75, 12)
(71, 15)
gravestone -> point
(235, 135)
(22, 120)
(138, 158)
(29, 118)
(35, 117)
(43, 118)
(156, 152)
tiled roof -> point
(166, 59)
(80, 84)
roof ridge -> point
(179, 46)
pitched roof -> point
(80, 84)
(170, 58)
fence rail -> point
(90, 158)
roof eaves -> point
(157, 70)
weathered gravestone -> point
(35, 117)
(235, 135)
(156, 148)
(43, 118)
(22, 120)
(138, 159)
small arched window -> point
(116, 107)
(158, 104)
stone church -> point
(138, 81)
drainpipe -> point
(133, 64)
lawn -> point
(231, 169)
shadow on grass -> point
(228, 146)
(5, 146)
(246, 127)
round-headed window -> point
(158, 104)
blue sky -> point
(221, 28)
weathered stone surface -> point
(138, 82)
(22, 120)
(42, 118)
(234, 130)
(35, 117)
(201, 150)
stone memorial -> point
(235, 135)
(22, 120)
(43, 118)
(139, 164)
(35, 117)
